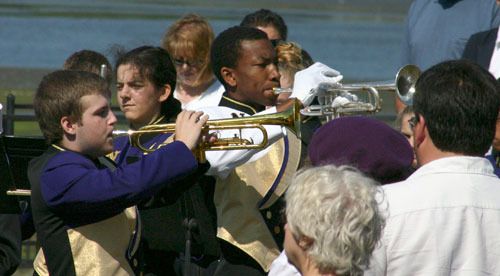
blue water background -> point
(362, 45)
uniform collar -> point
(235, 104)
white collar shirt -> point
(209, 97)
(495, 58)
(281, 267)
(443, 220)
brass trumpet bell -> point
(289, 119)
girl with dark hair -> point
(146, 79)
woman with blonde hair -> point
(291, 59)
(188, 41)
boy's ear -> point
(165, 93)
(68, 125)
(420, 131)
(228, 76)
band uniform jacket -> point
(83, 208)
(252, 187)
(164, 214)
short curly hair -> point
(338, 208)
(226, 48)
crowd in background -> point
(346, 196)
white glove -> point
(306, 81)
(343, 99)
(340, 102)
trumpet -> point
(403, 85)
(289, 119)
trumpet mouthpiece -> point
(279, 90)
(118, 133)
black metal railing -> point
(15, 112)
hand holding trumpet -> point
(307, 80)
(188, 127)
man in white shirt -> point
(445, 218)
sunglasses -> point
(190, 63)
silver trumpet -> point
(337, 100)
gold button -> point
(277, 230)
(269, 215)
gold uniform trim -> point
(99, 249)
(236, 198)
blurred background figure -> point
(90, 61)
(188, 41)
(269, 22)
(333, 221)
(402, 124)
(446, 25)
(482, 49)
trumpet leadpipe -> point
(118, 132)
